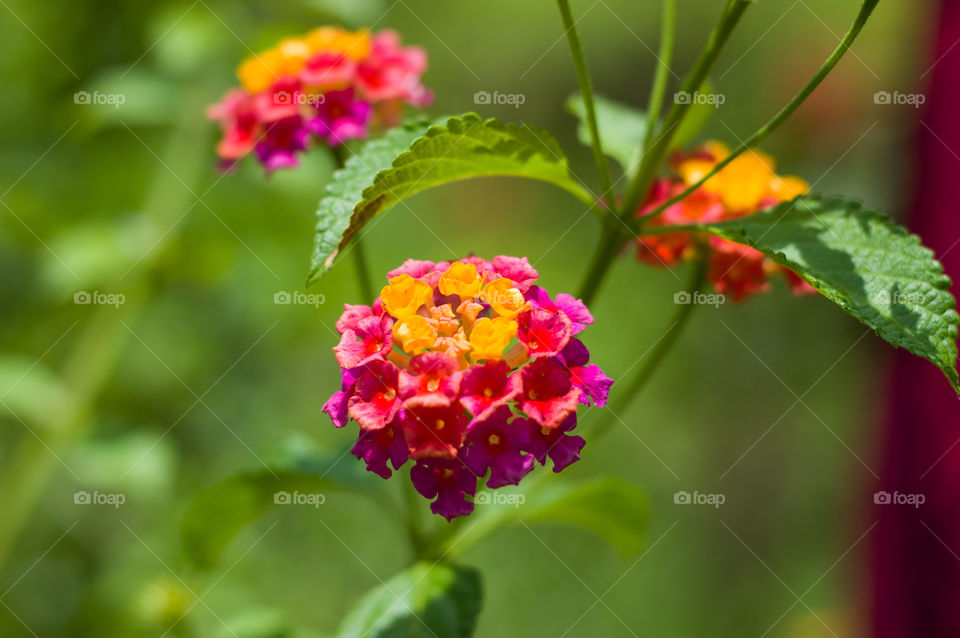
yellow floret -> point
(461, 279)
(415, 334)
(505, 300)
(404, 296)
(489, 337)
(353, 44)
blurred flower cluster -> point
(465, 368)
(330, 85)
(745, 186)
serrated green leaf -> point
(385, 172)
(424, 601)
(872, 268)
(345, 191)
(622, 129)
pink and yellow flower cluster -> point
(469, 370)
(745, 186)
(330, 85)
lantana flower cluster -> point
(745, 186)
(469, 370)
(330, 85)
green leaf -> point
(612, 509)
(423, 601)
(345, 191)
(385, 172)
(622, 129)
(872, 268)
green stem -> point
(364, 282)
(865, 10)
(613, 235)
(414, 521)
(655, 155)
(607, 248)
(657, 355)
(586, 92)
(664, 57)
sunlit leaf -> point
(872, 268)
(412, 159)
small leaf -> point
(423, 601)
(385, 173)
(872, 268)
(623, 129)
(613, 509)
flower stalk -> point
(586, 92)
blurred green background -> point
(199, 375)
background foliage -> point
(212, 377)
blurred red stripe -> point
(915, 553)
